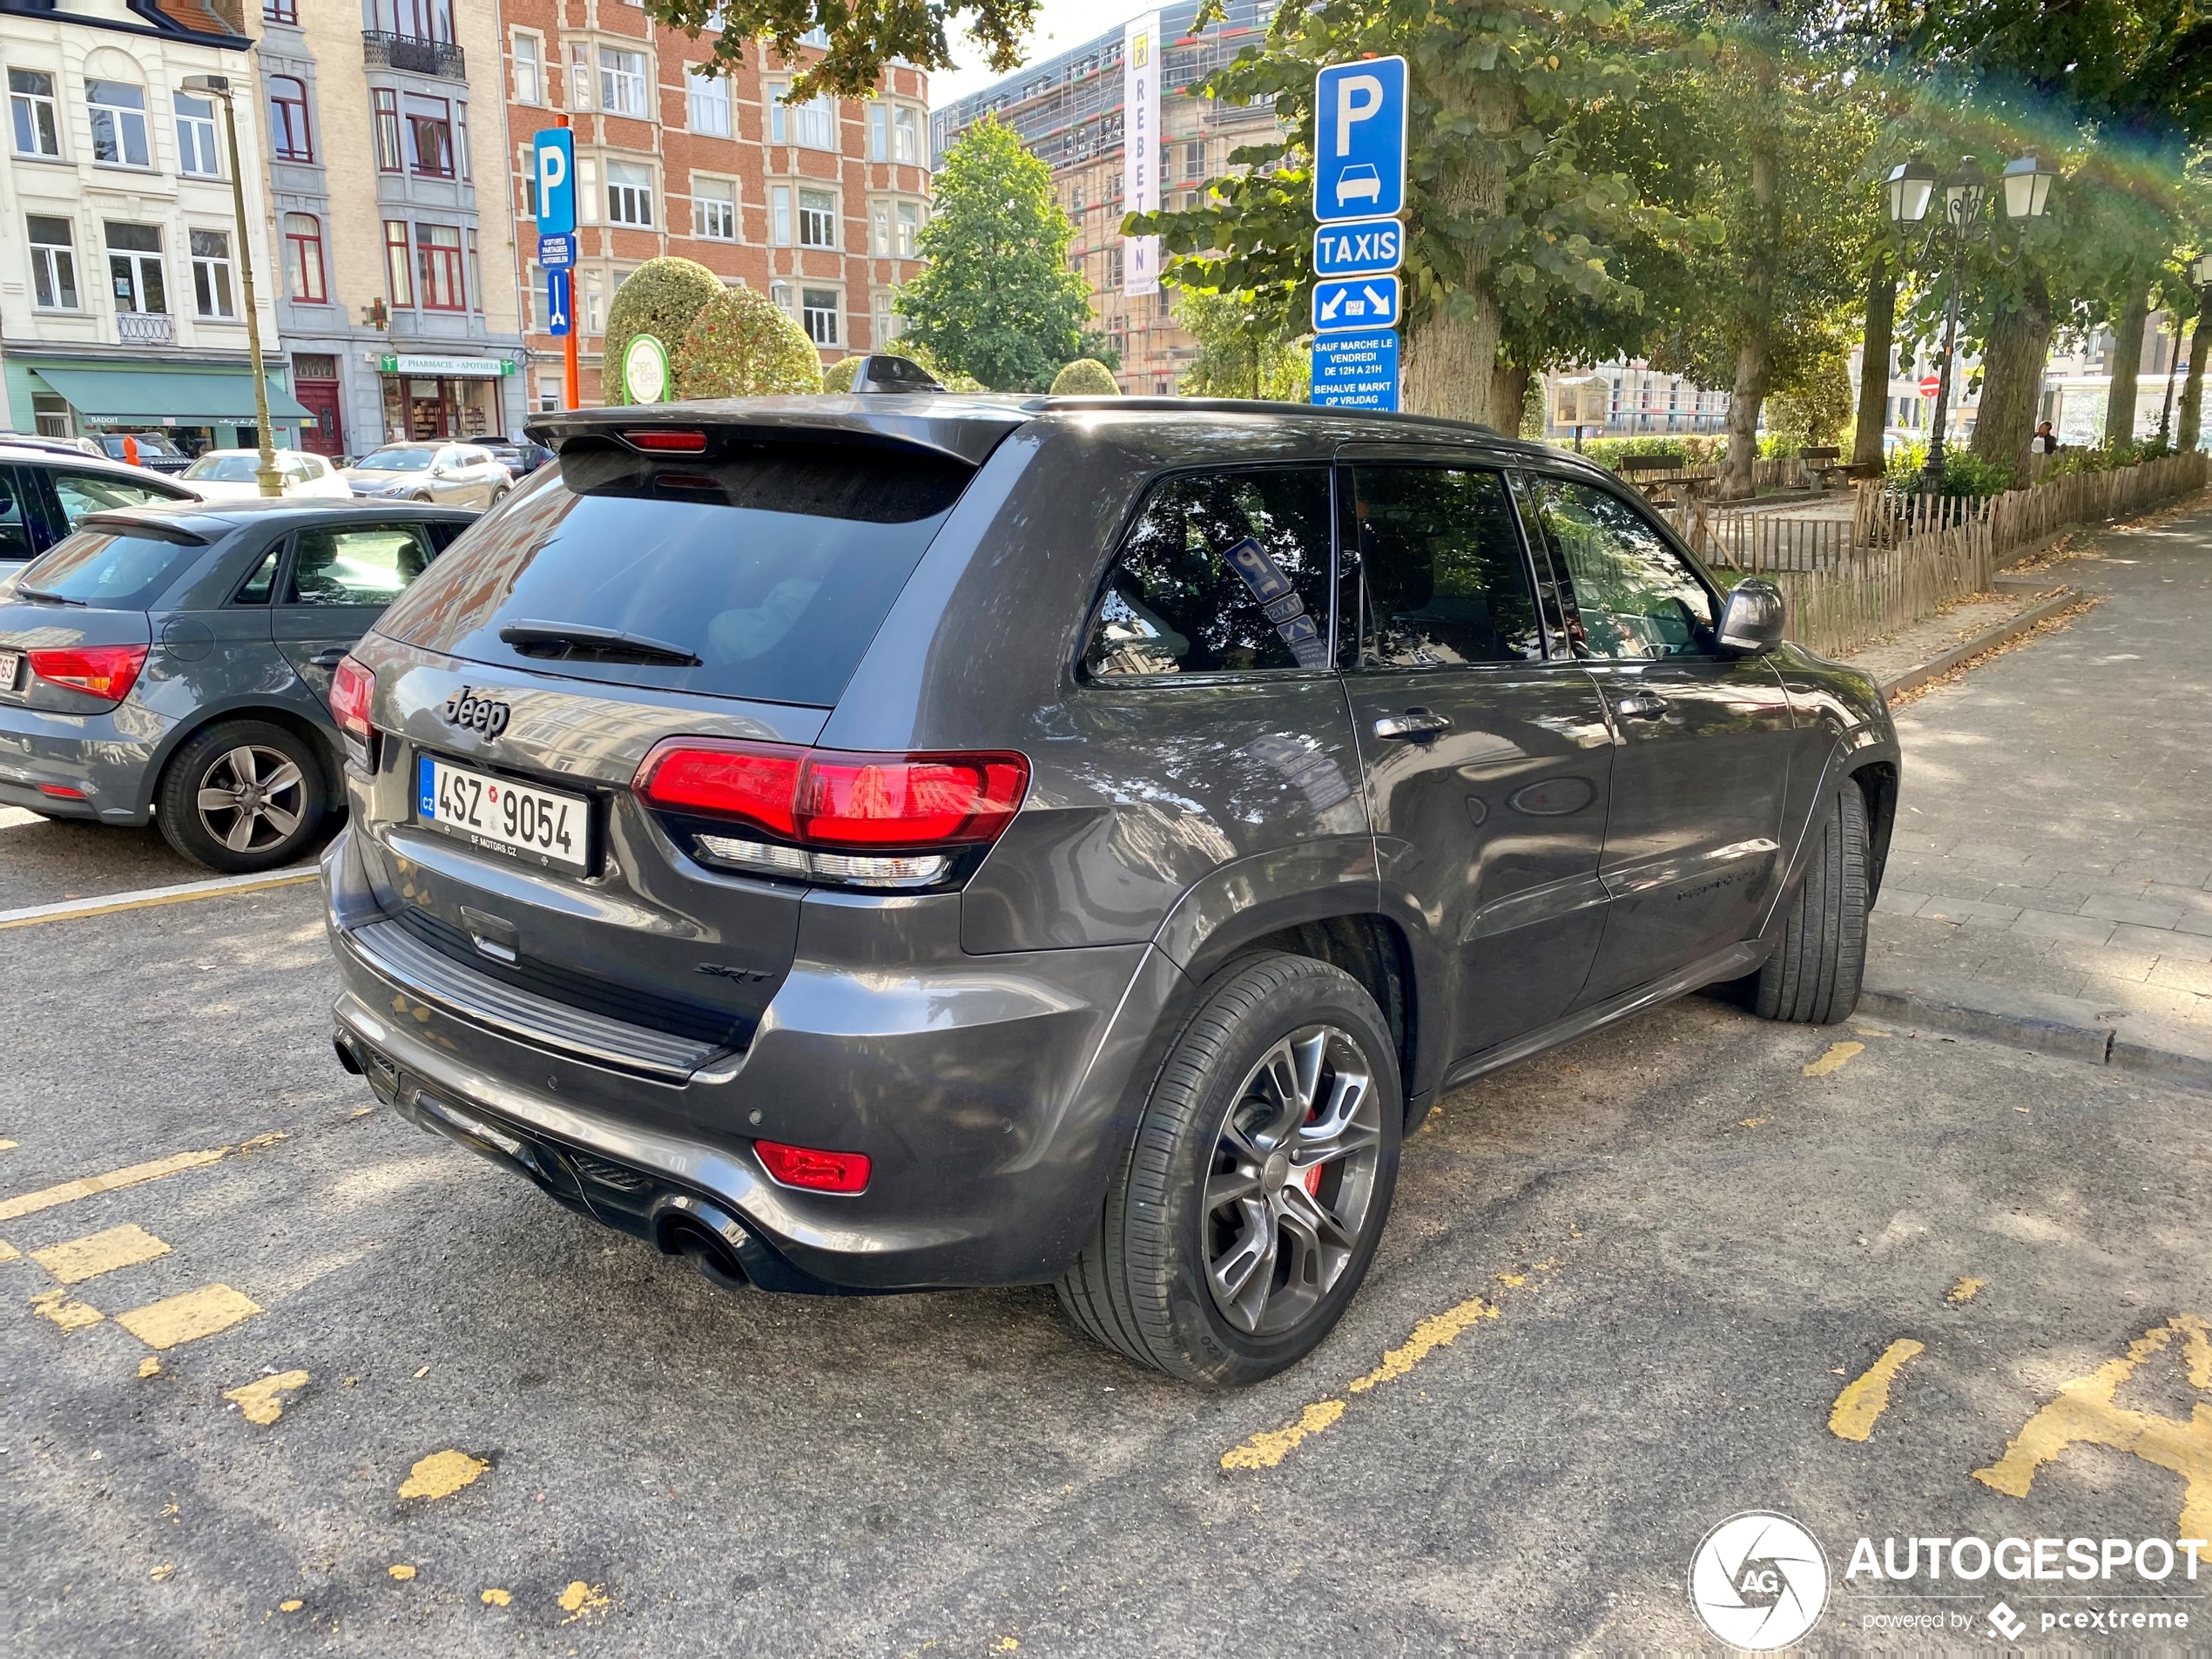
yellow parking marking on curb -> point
(2083, 1414)
(150, 898)
(187, 1319)
(1268, 1448)
(1965, 1290)
(1839, 1054)
(86, 1186)
(442, 1474)
(1867, 1396)
(69, 1315)
(97, 1253)
(496, 1597)
(257, 1400)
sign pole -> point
(572, 371)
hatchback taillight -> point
(352, 689)
(97, 671)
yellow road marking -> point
(258, 1399)
(1964, 1290)
(188, 1318)
(1839, 1054)
(150, 898)
(290, 1607)
(1268, 1448)
(148, 1367)
(582, 1601)
(442, 1474)
(7, 1146)
(495, 1598)
(1437, 1330)
(400, 1571)
(2083, 1414)
(1866, 1396)
(7, 1252)
(69, 1315)
(98, 1253)
(137, 1174)
(1749, 1122)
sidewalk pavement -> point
(2050, 876)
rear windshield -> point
(108, 571)
(396, 460)
(773, 567)
(226, 469)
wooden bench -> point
(1824, 462)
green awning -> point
(145, 394)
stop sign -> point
(1929, 385)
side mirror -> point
(1751, 620)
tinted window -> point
(14, 535)
(774, 568)
(1433, 573)
(396, 461)
(364, 564)
(256, 589)
(1632, 596)
(1224, 571)
(97, 492)
(103, 568)
(226, 469)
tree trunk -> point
(2012, 380)
(1874, 362)
(1452, 353)
(2127, 362)
(1509, 397)
(2190, 426)
(1755, 345)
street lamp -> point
(2026, 192)
(219, 87)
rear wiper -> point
(45, 598)
(576, 642)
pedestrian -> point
(2047, 441)
(130, 449)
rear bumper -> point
(992, 1097)
(101, 756)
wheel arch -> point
(1878, 782)
(322, 743)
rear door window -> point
(1225, 572)
(1434, 574)
(355, 564)
(763, 573)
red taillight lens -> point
(815, 1170)
(831, 797)
(100, 671)
(667, 441)
(352, 689)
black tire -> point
(1144, 1284)
(282, 814)
(497, 496)
(1813, 976)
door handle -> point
(332, 657)
(1642, 706)
(1414, 722)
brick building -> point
(818, 204)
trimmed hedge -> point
(1086, 377)
(660, 298)
(741, 345)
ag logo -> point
(1759, 1582)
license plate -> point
(9, 661)
(538, 825)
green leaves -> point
(864, 35)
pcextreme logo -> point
(1759, 1581)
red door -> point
(319, 398)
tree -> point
(997, 299)
(742, 345)
(1876, 337)
(863, 40)
(660, 298)
(1085, 377)
(1242, 352)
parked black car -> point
(153, 451)
(176, 661)
(874, 844)
(47, 485)
(521, 455)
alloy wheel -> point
(252, 797)
(1291, 1186)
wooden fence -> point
(1896, 561)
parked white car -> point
(234, 475)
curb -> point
(2070, 1026)
(2003, 633)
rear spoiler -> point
(961, 428)
(153, 530)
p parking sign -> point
(1359, 140)
(555, 150)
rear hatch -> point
(74, 629)
(666, 578)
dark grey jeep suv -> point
(874, 844)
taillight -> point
(99, 670)
(814, 1171)
(668, 440)
(353, 688)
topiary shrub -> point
(741, 344)
(1086, 377)
(660, 298)
(840, 374)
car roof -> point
(281, 450)
(213, 519)
(14, 449)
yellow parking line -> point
(188, 1318)
(97, 1253)
(1867, 1396)
(150, 898)
(30, 1203)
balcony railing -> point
(144, 327)
(414, 54)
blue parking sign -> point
(1359, 140)
(560, 309)
(555, 151)
(1355, 305)
(1356, 371)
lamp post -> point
(2025, 189)
(219, 87)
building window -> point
(303, 259)
(460, 137)
(879, 132)
(630, 194)
(30, 101)
(909, 229)
(779, 198)
(118, 123)
(386, 104)
(288, 134)
(707, 103)
(196, 136)
(595, 300)
(779, 296)
(906, 134)
(526, 169)
(538, 298)
(53, 263)
(622, 82)
(417, 19)
(134, 267)
(587, 189)
(813, 124)
(1194, 159)
(429, 136)
(579, 77)
(714, 209)
(879, 229)
(399, 275)
(437, 264)
(818, 314)
(211, 274)
(549, 391)
(530, 68)
(279, 10)
(475, 277)
(817, 219)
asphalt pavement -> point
(280, 1373)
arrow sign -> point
(555, 155)
(1359, 140)
(1361, 247)
(1364, 303)
(559, 305)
